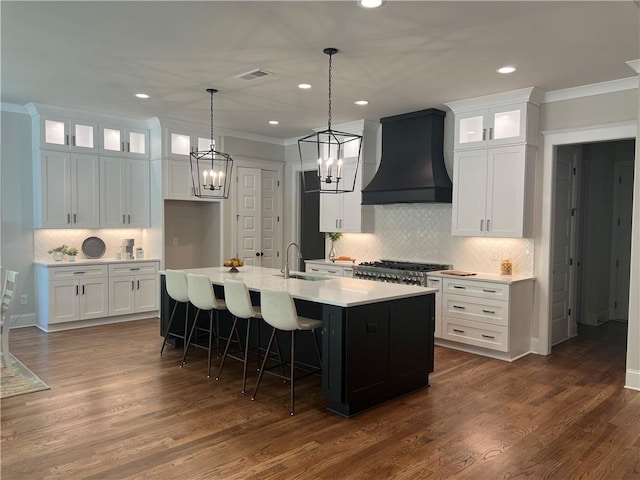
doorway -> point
(591, 243)
(312, 244)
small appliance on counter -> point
(127, 248)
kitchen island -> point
(377, 338)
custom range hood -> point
(412, 165)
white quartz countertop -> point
(90, 261)
(485, 277)
(338, 291)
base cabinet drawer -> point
(479, 334)
(476, 288)
(476, 309)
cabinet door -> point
(93, 298)
(63, 134)
(112, 193)
(54, 191)
(84, 136)
(469, 193)
(137, 142)
(147, 288)
(85, 194)
(122, 295)
(64, 301)
(506, 168)
(507, 125)
(351, 218)
(137, 192)
(179, 185)
(471, 129)
(330, 212)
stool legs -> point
(293, 366)
(186, 321)
(226, 348)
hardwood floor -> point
(116, 410)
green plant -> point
(61, 249)
(334, 236)
(72, 251)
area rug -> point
(23, 380)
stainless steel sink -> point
(303, 276)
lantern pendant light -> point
(335, 154)
(211, 169)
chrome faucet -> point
(285, 270)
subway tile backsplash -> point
(46, 239)
(422, 233)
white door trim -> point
(543, 267)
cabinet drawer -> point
(475, 288)
(494, 337)
(336, 271)
(68, 273)
(134, 268)
(495, 312)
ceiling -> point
(402, 57)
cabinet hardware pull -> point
(332, 271)
(73, 140)
(138, 284)
(487, 290)
(315, 270)
(75, 218)
(132, 285)
(484, 134)
(76, 289)
(491, 133)
(129, 218)
(83, 289)
(66, 140)
(68, 218)
(488, 224)
(132, 269)
(122, 150)
(78, 273)
(458, 331)
(488, 336)
(458, 307)
(124, 219)
(128, 147)
(481, 224)
(459, 286)
(488, 311)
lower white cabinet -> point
(70, 294)
(493, 316)
(133, 288)
(323, 267)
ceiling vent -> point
(254, 74)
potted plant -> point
(334, 237)
(58, 252)
(71, 253)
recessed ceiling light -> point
(506, 69)
(142, 95)
(273, 122)
(304, 86)
(370, 3)
(361, 102)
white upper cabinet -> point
(496, 120)
(66, 190)
(124, 141)
(180, 144)
(59, 133)
(124, 192)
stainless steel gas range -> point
(395, 271)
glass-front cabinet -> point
(68, 135)
(496, 126)
(182, 144)
(124, 141)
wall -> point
(16, 251)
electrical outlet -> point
(23, 300)
(175, 241)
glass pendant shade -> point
(335, 155)
(210, 169)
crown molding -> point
(611, 86)
(13, 108)
(634, 65)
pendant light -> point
(336, 154)
(211, 169)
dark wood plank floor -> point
(116, 410)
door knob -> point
(257, 254)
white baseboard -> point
(536, 347)
(632, 380)
(58, 327)
(24, 320)
(485, 352)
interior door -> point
(249, 223)
(622, 246)
(562, 324)
(270, 219)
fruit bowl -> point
(234, 263)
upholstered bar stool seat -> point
(176, 284)
(279, 311)
(202, 296)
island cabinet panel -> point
(374, 353)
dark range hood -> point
(412, 165)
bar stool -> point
(279, 311)
(236, 296)
(202, 296)
(176, 283)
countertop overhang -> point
(338, 291)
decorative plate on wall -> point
(93, 247)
